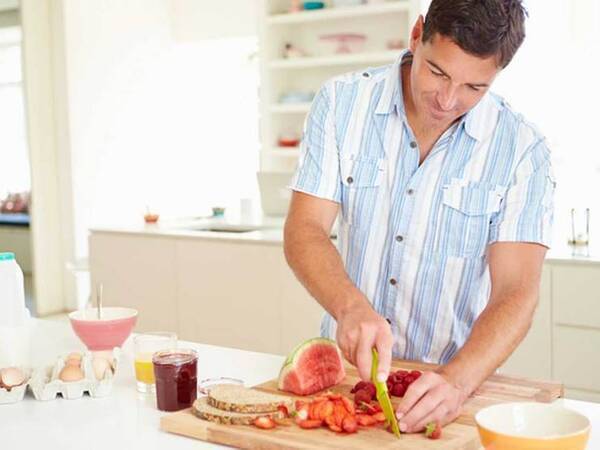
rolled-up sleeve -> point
(526, 213)
(318, 171)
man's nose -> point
(447, 97)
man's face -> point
(445, 81)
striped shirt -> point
(412, 237)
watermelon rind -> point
(290, 362)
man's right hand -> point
(359, 329)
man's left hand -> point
(430, 398)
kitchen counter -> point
(269, 230)
(127, 419)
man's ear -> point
(417, 33)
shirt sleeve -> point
(318, 171)
(526, 212)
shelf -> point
(290, 108)
(386, 56)
(341, 12)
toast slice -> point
(234, 398)
(203, 410)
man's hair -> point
(479, 27)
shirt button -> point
(399, 238)
(410, 192)
(413, 144)
(393, 281)
(366, 74)
(350, 180)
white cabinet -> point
(228, 294)
(220, 292)
(533, 357)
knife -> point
(382, 396)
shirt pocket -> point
(361, 179)
(465, 218)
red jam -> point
(176, 379)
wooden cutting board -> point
(459, 435)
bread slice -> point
(203, 410)
(230, 397)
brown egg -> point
(12, 377)
(73, 358)
(70, 373)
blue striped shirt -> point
(412, 237)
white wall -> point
(146, 125)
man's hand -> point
(430, 398)
(359, 329)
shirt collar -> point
(391, 96)
(479, 122)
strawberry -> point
(302, 412)
(284, 410)
(266, 423)
(367, 408)
(362, 396)
(398, 390)
(379, 417)
(349, 424)
(433, 430)
(415, 374)
(309, 424)
(365, 420)
(326, 410)
(348, 405)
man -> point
(445, 200)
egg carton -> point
(46, 385)
(16, 393)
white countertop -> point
(129, 420)
(270, 231)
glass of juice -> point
(145, 345)
(175, 372)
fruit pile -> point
(332, 410)
(397, 383)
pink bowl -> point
(106, 333)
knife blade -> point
(382, 395)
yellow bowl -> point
(532, 426)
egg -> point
(100, 366)
(70, 373)
(105, 354)
(74, 356)
(12, 377)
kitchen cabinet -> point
(240, 295)
(533, 357)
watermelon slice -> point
(312, 366)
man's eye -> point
(437, 74)
(474, 88)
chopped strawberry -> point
(365, 420)
(309, 424)
(433, 430)
(348, 405)
(299, 404)
(339, 412)
(266, 423)
(334, 396)
(335, 428)
(303, 412)
(367, 408)
(349, 424)
(326, 410)
(362, 396)
(379, 417)
(284, 410)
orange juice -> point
(144, 371)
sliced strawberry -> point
(326, 410)
(348, 405)
(365, 420)
(266, 423)
(433, 430)
(362, 396)
(379, 417)
(299, 404)
(303, 412)
(335, 428)
(339, 412)
(309, 424)
(349, 424)
(334, 396)
(367, 408)
(284, 410)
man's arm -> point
(515, 270)
(318, 265)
